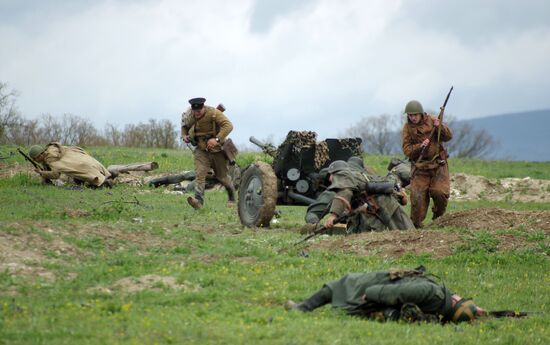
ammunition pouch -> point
(411, 313)
(230, 151)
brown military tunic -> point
(74, 162)
(213, 124)
(431, 174)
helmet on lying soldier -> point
(466, 310)
(35, 151)
(336, 166)
(357, 161)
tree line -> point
(71, 129)
(381, 134)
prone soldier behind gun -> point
(352, 187)
(207, 128)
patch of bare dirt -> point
(26, 248)
(471, 187)
(496, 219)
(24, 253)
(392, 243)
(442, 243)
(10, 170)
(147, 282)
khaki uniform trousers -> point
(204, 161)
(426, 184)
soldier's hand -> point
(330, 221)
(436, 122)
(211, 143)
(425, 143)
(186, 139)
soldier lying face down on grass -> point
(56, 161)
(72, 161)
(407, 295)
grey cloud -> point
(265, 12)
(326, 64)
(477, 21)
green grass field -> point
(80, 255)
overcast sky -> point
(277, 65)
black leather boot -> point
(318, 299)
(195, 202)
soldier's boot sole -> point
(291, 305)
(194, 202)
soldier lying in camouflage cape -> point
(407, 295)
(352, 185)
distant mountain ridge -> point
(519, 136)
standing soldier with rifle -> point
(207, 128)
(422, 138)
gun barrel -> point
(257, 142)
(301, 198)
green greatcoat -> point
(348, 184)
(390, 291)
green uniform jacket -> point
(347, 184)
(380, 288)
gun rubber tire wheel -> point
(257, 195)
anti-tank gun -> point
(296, 176)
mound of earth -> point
(470, 187)
(496, 218)
(391, 244)
(437, 243)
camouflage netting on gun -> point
(352, 145)
(298, 141)
(321, 154)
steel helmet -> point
(337, 166)
(465, 310)
(357, 161)
(35, 151)
(414, 107)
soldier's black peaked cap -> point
(197, 103)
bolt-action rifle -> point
(509, 313)
(440, 117)
(365, 206)
(29, 159)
